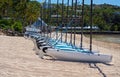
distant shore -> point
(98, 32)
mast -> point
(49, 19)
(67, 19)
(44, 16)
(72, 24)
(75, 22)
(57, 18)
(91, 11)
(41, 11)
(81, 43)
(62, 17)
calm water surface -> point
(106, 38)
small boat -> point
(72, 55)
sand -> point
(17, 59)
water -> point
(113, 38)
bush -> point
(17, 26)
(0, 17)
(5, 24)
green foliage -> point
(10, 25)
(115, 28)
(5, 7)
(17, 26)
(106, 17)
(32, 11)
(5, 24)
(24, 11)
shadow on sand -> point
(91, 65)
(94, 65)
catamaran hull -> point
(78, 56)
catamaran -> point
(52, 44)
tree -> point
(32, 11)
(5, 6)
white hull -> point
(78, 56)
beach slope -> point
(17, 59)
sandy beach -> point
(17, 59)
